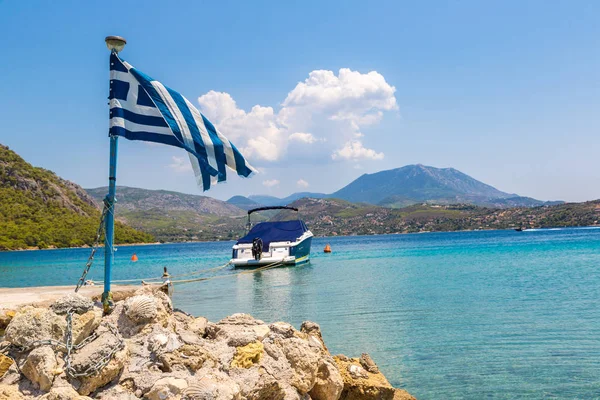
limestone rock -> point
(282, 330)
(117, 392)
(5, 364)
(63, 393)
(400, 394)
(367, 363)
(165, 354)
(93, 353)
(83, 325)
(141, 309)
(166, 388)
(10, 393)
(141, 383)
(240, 319)
(188, 337)
(213, 386)
(198, 326)
(248, 355)
(106, 374)
(303, 361)
(40, 367)
(73, 301)
(291, 393)
(313, 329)
(238, 330)
(31, 323)
(5, 317)
(362, 385)
(265, 387)
(357, 371)
(329, 383)
(187, 358)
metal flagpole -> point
(114, 44)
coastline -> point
(11, 298)
(533, 229)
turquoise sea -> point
(474, 315)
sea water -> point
(489, 314)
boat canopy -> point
(280, 231)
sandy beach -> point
(16, 297)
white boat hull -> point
(285, 253)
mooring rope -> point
(198, 272)
(252, 271)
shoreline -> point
(11, 298)
(316, 237)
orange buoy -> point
(134, 257)
(327, 249)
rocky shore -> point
(146, 349)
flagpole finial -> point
(115, 43)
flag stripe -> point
(145, 136)
(132, 126)
(219, 153)
(137, 118)
(204, 136)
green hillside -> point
(176, 217)
(38, 209)
(332, 217)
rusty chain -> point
(6, 348)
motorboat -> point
(273, 242)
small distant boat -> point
(519, 229)
(285, 242)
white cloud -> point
(332, 107)
(180, 164)
(354, 150)
(302, 183)
(303, 137)
(271, 182)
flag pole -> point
(114, 44)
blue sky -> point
(507, 92)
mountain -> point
(173, 216)
(422, 184)
(40, 209)
(243, 202)
(265, 200)
(276, 201)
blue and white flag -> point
(142, 108)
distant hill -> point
(136, 199)
(265, 200)
(40, 209)
(332, 217)
(243, 202)
(422, 184)
(276, 201)
(173, 216)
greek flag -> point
(142, 108)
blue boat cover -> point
(280, 231)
